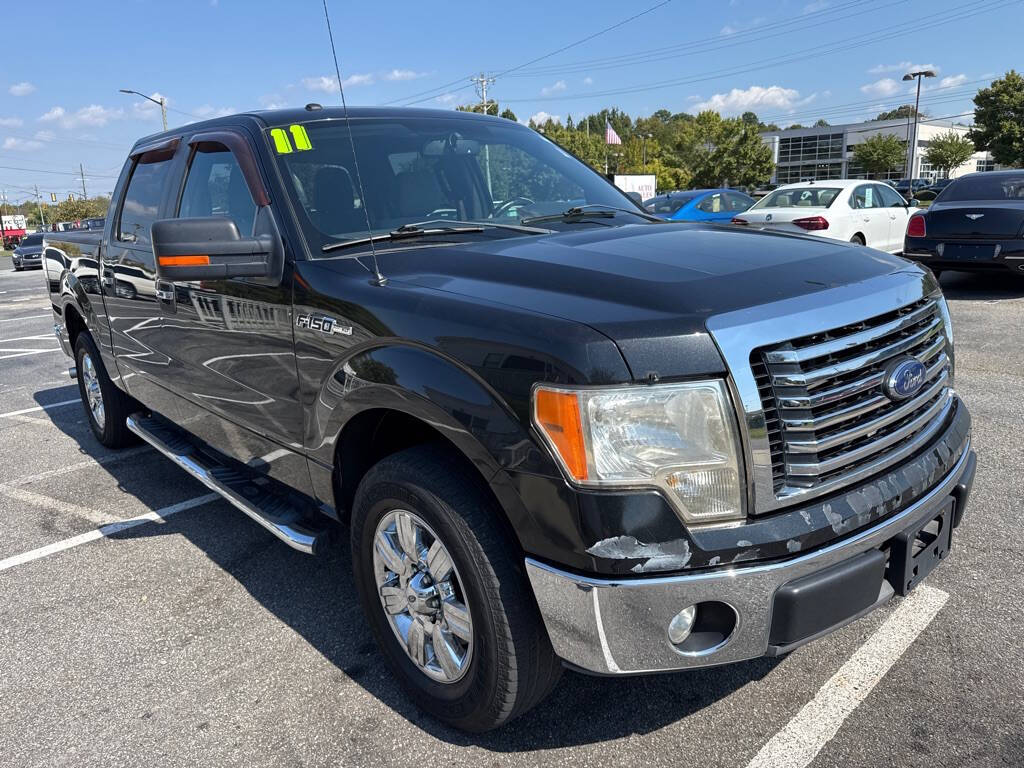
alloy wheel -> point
(422, 595)
(93, 392)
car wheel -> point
(448, 604)
(857, 240)
(106, 406)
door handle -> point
(867, 218)
(107, 278)
(165, 290)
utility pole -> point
(81, 171)
(42, 218)
(912, 145)
(481, 84)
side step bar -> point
(271, 510)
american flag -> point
(610, 136)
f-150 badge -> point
(323, 324)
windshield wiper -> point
(489, 224)
(404, 232)
(578, 212)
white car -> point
(856, 210)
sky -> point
(789, 61)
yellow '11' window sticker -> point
(282, 142)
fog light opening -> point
(701, 629)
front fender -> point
(439, 392)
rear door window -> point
(142, 199)
(215, 186)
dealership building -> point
(826, 152)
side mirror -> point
(636, 198)
(211, 248)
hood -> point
(650, 288)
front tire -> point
(426, 535)
(106, 406)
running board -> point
(269, 509)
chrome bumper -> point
(62, 338)
(621, 627)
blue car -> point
(699, 205)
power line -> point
(59, 173)
(437, 90)
(966, 11)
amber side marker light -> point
(558, 415)
(184, 261)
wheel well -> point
(376, 434)
(860, 235)
(74, 324)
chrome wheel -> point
(93, 393)
(421, 593)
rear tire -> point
(508, 664)
(858, 240)
(106, 406)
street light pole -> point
(162, 103)
(912, 145)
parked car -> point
(910, 187)
(580, 436)
(865, 212)
(96, 224)
(976, 223)
(699, 205)
(28, 253)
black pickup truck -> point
(558, 432)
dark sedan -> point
(976, 223)
(29, 253)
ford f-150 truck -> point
(558, 432)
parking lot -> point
(190, 635)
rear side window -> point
(985, 186)
(216, 187)
(142, 198)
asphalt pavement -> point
(197, 638)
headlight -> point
(680, 438)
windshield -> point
(33, 240)
(985, 186)
(798, 197)
(417, 169)
(668, 204)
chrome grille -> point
(826, 414)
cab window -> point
(215, 186)
(141, 205)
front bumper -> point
(608, 626)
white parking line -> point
(156, 516)
(33, 352)
(796, 745)
(27, 317)
(48, 407)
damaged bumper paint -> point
(619, 626)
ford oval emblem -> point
(904, 379)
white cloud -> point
(733, 28)
(147, 110)
(21, 145)
(539, 118)
(816, 5)
(884, 87)
(952, 81)
(21, 89)
(330, 84)
(755, 97)
(206, 111)
(447, 98)
(558, 87)
(588, 81)
(94, 114)
(404, 74)
(10, 122)
(272, 101)
(901, 66)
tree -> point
(794, 126)
(78, 209)
(822, 123)
(750, 118)
(879, 153)
(508, 114)
(492, 108)
(900, 113)
(999, 119)
(719, 151)
(949, 150)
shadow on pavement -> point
(316, 597)
(982, 286)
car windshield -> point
(417, 169)
(798, 197)
(33, 240)
(668, 204)
(985, 186)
